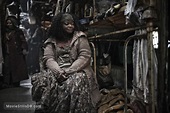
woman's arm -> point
(24, 44)
(49, 59)
(84, 56)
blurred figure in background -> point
(35, 43)
(15, 49)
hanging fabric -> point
(140, 69)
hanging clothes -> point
(140, 69)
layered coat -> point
(80, 56)
(15, 68)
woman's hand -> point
(62, 76)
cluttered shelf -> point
(118, 21)
(111, 26)
(121, 25)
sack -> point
(112, 101)
(104, 76)
(105, 69)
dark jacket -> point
(14, 60)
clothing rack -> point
(148, 35)
(141, 36)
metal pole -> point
(94, 9)
(151, 70)
(94, 58)
(116, 32)
(1, 56)
(125, 64)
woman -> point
(35, 42)
(67, 56)
(14, 51)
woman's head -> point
(67, 22)
(63, 26)
(11, 22)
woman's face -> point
(68, 26)
(9, 24)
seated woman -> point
(67, 54)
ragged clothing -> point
(113, 101)
(79, 93)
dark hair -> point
(14, 20)
(56, 29)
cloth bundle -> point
(112, 101)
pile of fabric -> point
(113, 101)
